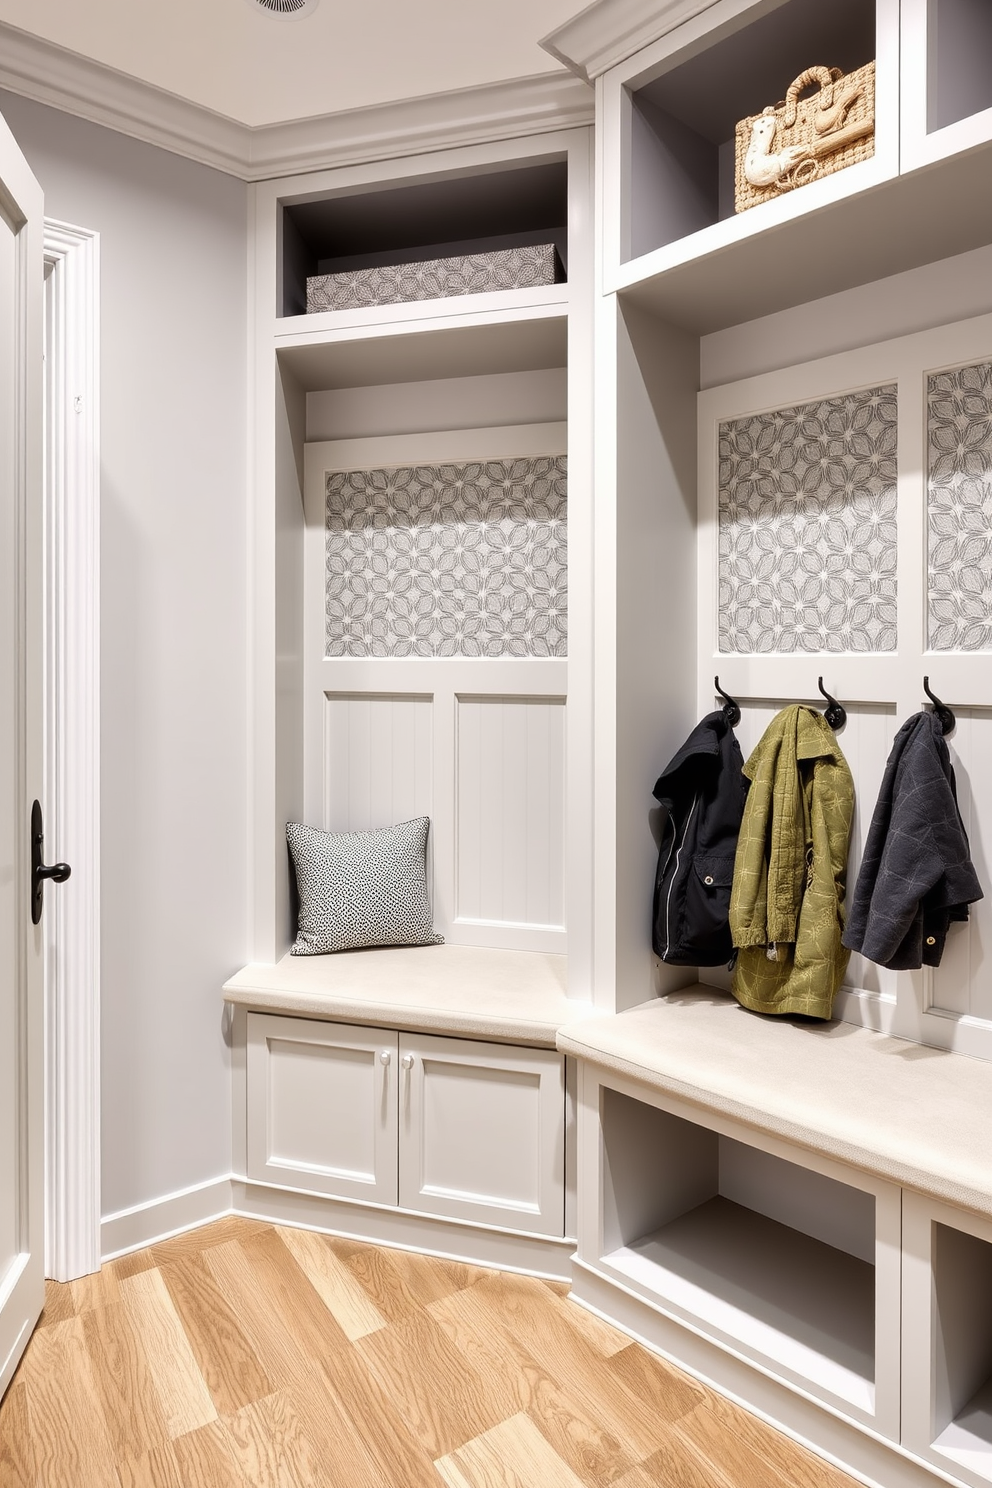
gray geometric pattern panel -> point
(448, 560)
(959, 508)
(807, 527)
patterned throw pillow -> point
(361, 889)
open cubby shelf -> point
(807, 1305)
(681, 165)
(959, 60)
(765, 1254)
(435, 218)
(963, 1349)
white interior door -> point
(21, 988)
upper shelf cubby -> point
(946, 78)
(383, 227)
(674, 242)
(680, 166)
(959, 61)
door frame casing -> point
(72, 749)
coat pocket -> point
(706, 922)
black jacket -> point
(916, 874)
(703, 791)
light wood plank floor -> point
(245, 1354)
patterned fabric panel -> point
(959, 508)
(433, 279)
(448, 560)
(807, 527)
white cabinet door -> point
(322, 1107)
(482, 1133)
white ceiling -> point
(230, 57)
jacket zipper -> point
(675, 873)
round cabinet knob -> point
(407, 1061)
(385, 1057)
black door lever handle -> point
(57, 872)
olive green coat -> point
(790, 873)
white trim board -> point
(401, 1229)
(191, 1208)
(160, 1219)
(72, 749)
(50, 74)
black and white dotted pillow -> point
(360, 889)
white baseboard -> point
(189, 1208)
(159, 1219)
(399, 1229)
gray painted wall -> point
(175, 521)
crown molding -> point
(46, 73)
(610, 31)
(416, 126)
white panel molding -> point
(610, 31)
(50, 74)
(72, 749)
(160, 1219)
(945, 1009)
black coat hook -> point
(945, 717)
(731, 710)
(835, 713)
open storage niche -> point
(769, 1257)
(680, 166)
(959, 61)
(948, 1338)
(946, 87)
(436, 217)
(962, 1281)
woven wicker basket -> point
(802, 139)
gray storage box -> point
(434, 279)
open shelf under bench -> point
(746, 1276)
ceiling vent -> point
(285, 10)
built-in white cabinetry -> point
(667, 117)
(449, 1127)
(770, 1205)
(422, 599)
(421, 613)
(843, 1296)
(838, 1288)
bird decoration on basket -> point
(804, 137)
